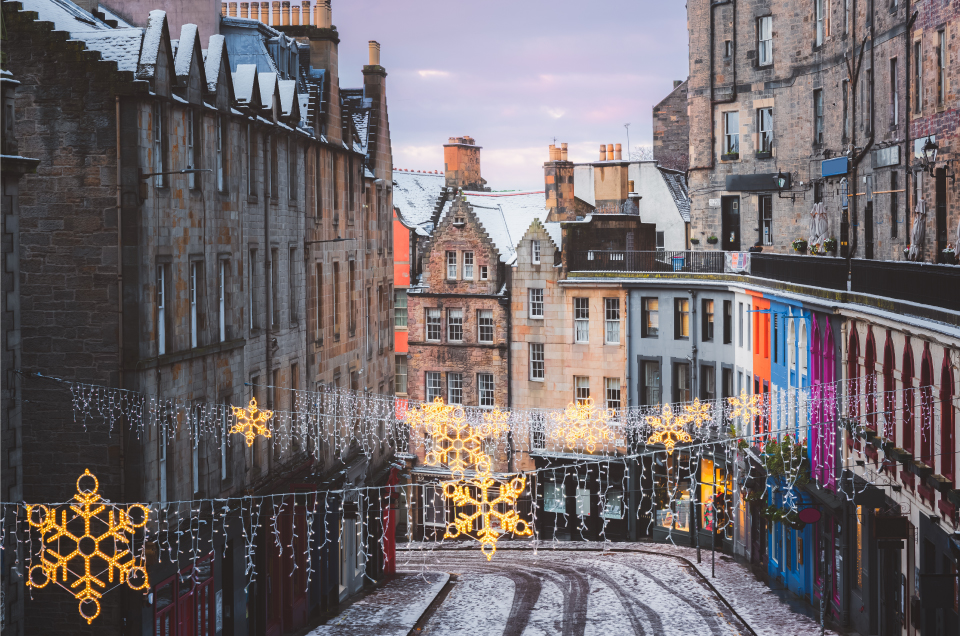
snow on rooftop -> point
(268, 84)
(188, 36)
(212, 60)
(150, 48)
(415, 195)
(288, 91)
(110, 15)
(505, 216)
(118, 45)
(66, 16)
(243, 82)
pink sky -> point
(514, 75)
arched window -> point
(926, 406)
(792, 347)
(853, 373)
(909, 398)
(889, 391)
(870, 379)
(947, 419)
(803, 350)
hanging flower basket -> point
(830, 245)
(713, 240)
(800, 246)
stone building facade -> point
(262, 270)
(816, 94)
(671, 129)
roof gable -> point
(155, 51)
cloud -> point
(432, 73)
(515, 76)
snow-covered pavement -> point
(572, 592)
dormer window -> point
(458, 221)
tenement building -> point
(823, 103)
(209, 222)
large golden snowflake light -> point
(492, 522)
(494, 423)
(455, 444)
(582, 422)
(74, 539)
(698, 412)
(668, 429)
(251, 421)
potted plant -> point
(817, 249)
(830, 245)
(800, 245)
(730, 156)
(695, 241)
(712, 240)
(948, 255)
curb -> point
(700, 574)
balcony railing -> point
(922, 283)
(656, 261)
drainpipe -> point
(907, 173)
(120, 300)
(506, 304)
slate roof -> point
(358, 107)
(677, 185)
(415, 195)
(505, 217)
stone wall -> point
(671, 130)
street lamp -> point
(930, 150)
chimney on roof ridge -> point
(558, 185)
(603, 152)
(374, 47)
(461, 164)
(563, 151)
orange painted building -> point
(760, 319)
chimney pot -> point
(617, 153)
(374, 47)
(563, 152)
(630, 185)
(603, 152)
(609, 152)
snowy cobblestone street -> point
(573, 592)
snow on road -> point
(564, 592)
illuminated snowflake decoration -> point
(745, 405)
(492, 522)
(698, 412)
(668, 429)
(494, 423)
(583, 423)
(74, 540)
(251, 421)
(455, 444)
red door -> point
(183, 604)
(185, 621)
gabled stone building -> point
(209, 222)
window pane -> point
(536, 361)
(455, 325)
(433, 324)
(434, 388)
(612, 316)
(583, 502)
(455, 388)
(401, 373)
(536, 303)
(553, 499)
(582, 385)
(581, 314)
(613, 393)
(485, 382)
(400, 308)
(485, 325)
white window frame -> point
(535, 251)
(765, 129)
(536, 302)
(451, 259)
(400, 308)
(434, 324)
(612, 393)
(433, 386)
(537, 362)
(581, 320)
(486, 390)
(468, 266)
(484, 272)
(455, 325)
(731, 132)
(765, 40)
(454, 388)
(581, 388)
(611, 310)
(400, 373)
(485, 322)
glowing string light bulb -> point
(668, 429)
(105, 551)
(251, 421)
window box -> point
(764, 155)
(695, 241)
(713, 240)
(730, 156)
(900, 455)
(940, 483)
(920, 469)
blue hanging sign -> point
(833, 167)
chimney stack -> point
(324, 14)
(461, 164)
(374, 47)
(563, 152)
(558, 185)
(630, 186)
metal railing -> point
(656, 261)
(923, 283)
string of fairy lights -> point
(762, 437)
